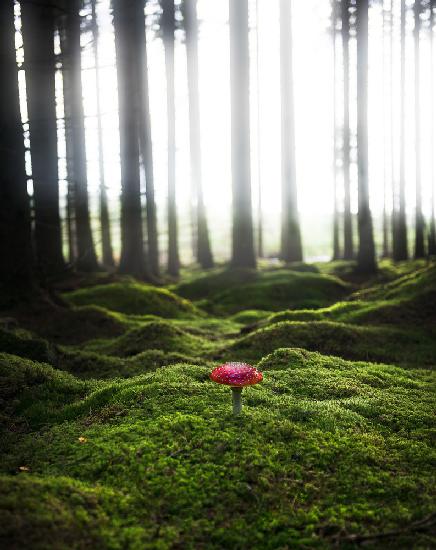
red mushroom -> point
(236, 375)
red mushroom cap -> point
(236, 374)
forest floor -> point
(113, 435)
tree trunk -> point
(168, 27)
(419, 218)
(106, 241)
(146, 145)
(260, 248)
(132, 247)
(400, 235)
(348, 219)
(432, 233)
(16, 266)
(86, 257)
(203, 251)
(38, 39)
(242, 231)
(291, 249)
(366, 261)
(336, 245)
(385, 220)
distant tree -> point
(242, 232)
(348, 219)
(132, 261)
(260, 246)
(16, 266)
(38, 38)
(106, 241)
(291, 249)
(336, 245)
(432, 232)
(385, 219)
(86, 257)
(168, 27)
(366, 260)
(146, 144)
(419, 218)
(400, 227)
(203, 249)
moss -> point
(324, 447)
(133, 298)
(332, 338)
(250, 316)
(160, 335)
(24, 344)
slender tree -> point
(146, 144)
(168, 27)
(16, 266)
(86, 257)
(432, 232)
(385, 220)
(348, 219)
(132, 259)
(38, 38)
(419, 218)
(203, 249)
(336, 245)
(291, 249)
(260, 247)
(106, 241)
(400, 234)
(242, 232)
(366, 261)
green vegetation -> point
(124, 442)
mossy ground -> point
(122, 441)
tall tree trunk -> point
(86, 257)
(38, 39)
(203, 252)
(168, 26)
(348, 219)
(336, 245)
(16, 266)
(132, 247)
(260, 248)
(385, 220)
(394, 211)
(291, 249)
(243, 254)
(146, 145)
(106, 241)
(366, 261)
(432, 233)
(400, 250)
(419, 218)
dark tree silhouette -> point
(348, 219)
(419, 218)
(432, 232)
(366, 261)
(106, 241)
(38, 38)
(291, 249)
(86, 257)
(168, 27)
(400, 234)
(242, 231)
(132, 259)
(203, 250)
(385, 219)
(16, 266)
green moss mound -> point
(159, 461)
(159, 335)
(133, 298)
(22, 343)
(382, 344)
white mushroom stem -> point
(237, 400)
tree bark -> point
(366, 261)
(106, 241)
(243, 254)
(86, 257)
(348, 219)
(132, 247)
(38, 39)
(432, 232)
(203, 249)
(16, 266)
(291, 249)
(385, 220)
(336, 245)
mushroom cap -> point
(236, 374)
